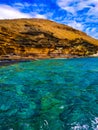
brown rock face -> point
(38, 38)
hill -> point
(39, 38)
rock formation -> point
(39, 38)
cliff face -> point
(38, 38)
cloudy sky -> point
(80, 14)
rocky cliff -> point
(38, 38)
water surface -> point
(55, 94)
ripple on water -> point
(55, 94)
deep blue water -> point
(54, 94)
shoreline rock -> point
(5, 60)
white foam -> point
(11, 129)
(62, 107)
(94, 125)
(79, 127)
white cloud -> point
(92, 31)
(37, 15)
(94, 11)
(76, 25)
(65, 4)
(21, 5)
(73, 6)
(70, 9)
(25, 5)
(81, 14)
(8, 12)
(40, 16)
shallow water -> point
(55, 94)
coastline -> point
(10, 62)
(4, 61)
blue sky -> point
(80, 14)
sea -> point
(49, 94)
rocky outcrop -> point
(38, 38)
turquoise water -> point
(55, 94)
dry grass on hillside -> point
(58, 30)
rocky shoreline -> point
(8, 60)
(12, 60)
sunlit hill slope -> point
(38, 38)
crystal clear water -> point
(55, 94)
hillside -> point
(38, 38)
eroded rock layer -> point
(38, 38)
